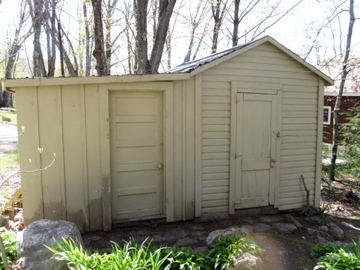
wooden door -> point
(136, 125)
(255, 148)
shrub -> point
(227, 249)
(9, 240)
(332, 257)
(184, 258)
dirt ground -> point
(283, 251)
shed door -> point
(136, 154)
(255, 148)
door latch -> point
(160, 168)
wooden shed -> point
(231, 131)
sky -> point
(292, 31)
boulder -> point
(335, 231)
(33, 254)
(5, 118)
(285, 227)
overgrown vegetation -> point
(333, 257)
(222, 255)
(9, 240)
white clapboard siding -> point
(264, 63)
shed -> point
(235, 130)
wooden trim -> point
(60, 156)
(184, 144)
(198, 144)
(233, 124)
(319, 143)
(85, 159)
(278, 150)
(12, 84)
(169, 151)
(105, 156)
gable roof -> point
(199, 65)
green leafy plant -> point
(325, 216)
(332, 257)
(225, 251)
(184, 258)
(9, 240)
(351, 133)
(132, 256)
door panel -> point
(136, 154)
(255, 148)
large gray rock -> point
(285, 227)
(32, 253)
(335, 231)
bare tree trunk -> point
(37, 18)
(218, 13)
(87, 42)
(99, 52)
(166, 8)
(344, 74)
(140, 11)
(51, 35)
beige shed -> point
(235, 130)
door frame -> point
(254, 88)
(168, 151)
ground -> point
(285, 251)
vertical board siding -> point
(92, 125)
(31, 183)
(50, 123)
(264, 63)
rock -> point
(215, 235)
(285, 227)
(335, 231)
(324, 228)
(248, 261)
(271, 219)
(261, 227)
(186, 242)
(5, 118)
(246, 229)
(294, 221)
(32, 253)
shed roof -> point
(199, 65)
(181, 72)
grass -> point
(12, 115)
(9, 162)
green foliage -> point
(227, 249)
(184, 258)
(351, 133)
(332, 257)
(9, 240)
(133, 256)
(325, 216)
(9, 161)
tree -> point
(218, 9)
(6, 98)
(344, 74)
(144, 65)
(99, 50)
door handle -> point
(160, 168)
(273, 161)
